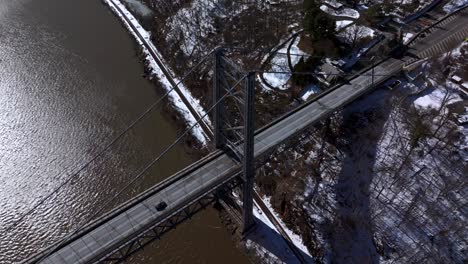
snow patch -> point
(436, 98)
(340, 24)
(432, 100)
(296, 239)
(309, 91)
(454, 5)
(267, 241)
(343, 12)
(138, 7)
(333, 3)
(280, 64)
(407, 37)
(190, 24)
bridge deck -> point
(113, 231)
(94, 244)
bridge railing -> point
(427, 28)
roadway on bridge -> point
(132, 219)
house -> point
(463, 119)
(329, 73)
(456, 79)
(464, 89)
(339, 63)
(334, 4)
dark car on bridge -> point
(161, 206)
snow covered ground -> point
(354, 36)
(280, 64)
(143, 39)
(333, 3)
(269, 243)
(437, 97)
(407, 37)
(408, 203)
(343, 12)
(355, 33)
(386, 181)
(309, 91)
(453, 5)
(340, 24)
(183, 24)
(297, 240)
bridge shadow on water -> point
(351, 239)
(273, 243)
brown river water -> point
(70, 82)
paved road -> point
(192, 184)
(442, 37)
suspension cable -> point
(142, 172)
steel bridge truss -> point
(155, 231)
(233, 123)
(234, 133)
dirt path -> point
(270, 57)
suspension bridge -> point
(126, 229)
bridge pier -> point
(248, 162)
(218, 108)
(227, 136)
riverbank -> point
(266, 241)
(179, 97)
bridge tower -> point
(234, 123)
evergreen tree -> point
(311, 10)
(324, 26)
(304, 66)
(316, 22)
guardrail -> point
(132, 202)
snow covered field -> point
(437, 97)
(143, 39)
(280, 64)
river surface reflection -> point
(69, 83)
